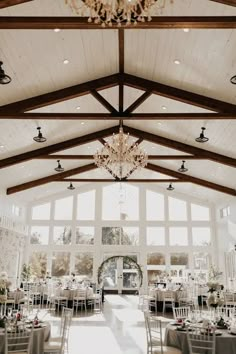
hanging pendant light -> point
(202, 138)
(71, 187)
(182, 167)
(39, 138)
(4, 79)
(59, 168)
(170, 187)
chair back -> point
(153, 330)
(66, 314)
(65, 328)
(200, 340)
(81, 293)
(168, 295)
(181, 312)
(20, 342)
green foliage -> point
(26, 272)
(126, 260)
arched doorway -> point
(120, 273)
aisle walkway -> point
(119, 329)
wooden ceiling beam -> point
(194, 180)
(158, 22)
(121, 42)
(173, 144)
(61, 95)
(150, 157)
(8, 3)
(124, 116)
(140, 180)
(178, 94)
(226, 2)
(103, 102)
(138, 102)
(26, 156)
(51, 178)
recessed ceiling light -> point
(88, 147)
(56, 30)
(186, 30)
(2, 146)
(177, 62)
(153, 147)
(66, 61)
(164, 107)
(82, 123)
(78, 108)
(159, 123)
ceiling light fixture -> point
(202, 138)
(121, 157)
(182, 167)
(233, 80)
(4, 79)
(57, 30)
(177, 62)
(186, 30)
(59, 168)
(163, 107)
(39, 138)
(170, 187)
(66, 61)
(118, 12)
(78, 108)
(71, 187)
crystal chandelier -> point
(119, 12)
(121, 157)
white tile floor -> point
(118, 329)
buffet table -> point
(225, 343)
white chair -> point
(18, 343)
(151, 299)
(181, 313)
(80, 300)
(59, 299)
(57, 345)
(201, 341)
(168, 299)
(154, 337)
(229, 299)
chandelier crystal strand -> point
(120, 157)
(121, 12)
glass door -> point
(121, 273)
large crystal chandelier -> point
(121, 157)
(120, 12)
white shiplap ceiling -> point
(34, 60)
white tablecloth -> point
(40, 335)
(71, 293)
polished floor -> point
(118, 329)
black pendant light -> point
(170, 187)
(71, 187)
(4, 79)
(233, 80)
(39, 138)
(182, 167)
(59, 168)
(202, 138)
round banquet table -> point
(40, 335)
(225, 343)
(71, 293)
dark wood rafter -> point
(226, 2)
(150, 157)
(116, 116)
(195, 180)
(103, 102)
(130, 180)
(61, 95)
(26, 156)
(138, 102)
(121, 41)
(189, 149)
(8, 3)
(51, 178)
(158, 22)
(121, 98)
(178, 94)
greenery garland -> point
(125, 259)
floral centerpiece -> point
(214, 299)
(4, 285)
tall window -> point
(86, 206)
(60, 264)
(178, 236)
(64, 208)
(41, 212)
(177, 209)
(199, 212)
(155, 236)
(39, 235)
(155, 206)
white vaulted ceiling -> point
(34, 60)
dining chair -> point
(152, 299)
(57, 345)
(18, 343)
(168, 299)
(154, 337)
(80, 300)
(229, 299)
(201, 340)
(181, 313)
(59, 299)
